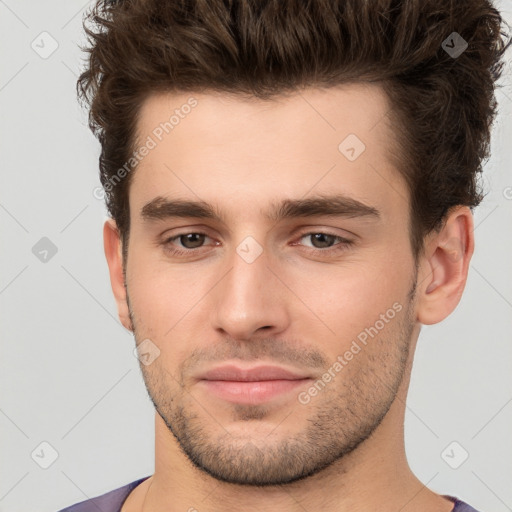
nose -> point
(250, 300)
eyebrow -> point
(161, 208)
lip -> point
(251, 385)
(259, 373)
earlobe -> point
(445, 267)
(113, 254)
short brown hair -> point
(443, 105)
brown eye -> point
(194, 239)
(324, 242)
(189, 243)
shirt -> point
(113, 501)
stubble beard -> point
(342, 417)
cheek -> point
(162, 294)
(350, 296)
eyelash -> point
(342, 246)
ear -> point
(113, 253)
(444, 267)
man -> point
(289, 203)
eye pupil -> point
(184, 239)
(320, 236)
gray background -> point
(68, 375)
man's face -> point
(249, 291)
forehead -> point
(215, 146)
(355, 108)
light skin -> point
(299, 305)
